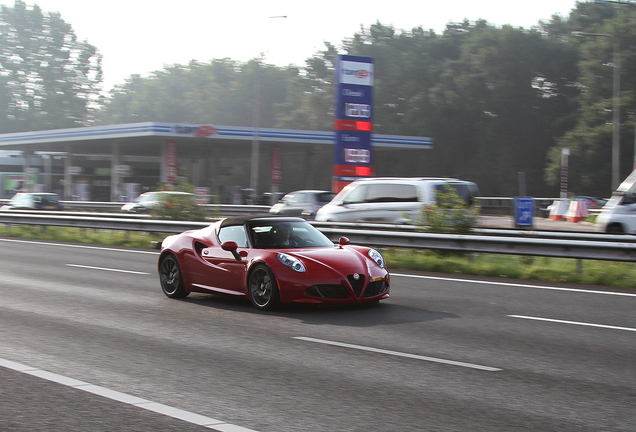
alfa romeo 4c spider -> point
(271, 260)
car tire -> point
(171, 278)
(262, 288)
(615, 228)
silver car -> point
(145, 202)
(391, 199)
(304, 203)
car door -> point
(294, 205)
(354, 206)
(226, 273)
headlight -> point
(293, 262)
(375, 256)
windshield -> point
(49, 199)
(628, 183)
(343, 193)
(146, 197)
(286, 234)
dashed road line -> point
(107, 269)
(573, 323)
(400, 354)
(544, 287)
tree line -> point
(497, 101)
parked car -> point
(591, 202)
(34, 201)
(303, 203)
(271, 260)
(391, 199)
(145, 202)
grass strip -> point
(592, 272)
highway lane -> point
(442, 354)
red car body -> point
(207, 262)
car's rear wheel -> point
(263, 289)
(171, 278)
(615, 228)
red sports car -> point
(271, 260)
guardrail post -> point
(579, 266)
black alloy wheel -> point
(263, 289)
(170, 277)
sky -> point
(141, 36)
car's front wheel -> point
(262, 288)
(171, 278)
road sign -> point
(524, 212)
(353, 122)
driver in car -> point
(284, 237)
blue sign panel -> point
(354, 102)
(524, 212)
(353, 121)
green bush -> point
(451, 214)
(178, 207)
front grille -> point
(328, 291)
(357, 285)
(375, 288)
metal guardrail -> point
(616, 250)
(580, 249)
(225, 209)
(91, 222)
(505, 205)
(489, 205)
(504, 232)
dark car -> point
(271, 260)
(303, 203)
(34, 201)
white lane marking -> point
(166, 410)
(399, 354)
(79, 246)
(574, 323)
(515, 285)
(107, 269)
(392, 274)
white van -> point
(390, 199)
(618, 215)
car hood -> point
(336, 257)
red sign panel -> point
(352, 125)
(205, 131)
(277, 166)
(171, 161)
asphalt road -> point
(89, 343)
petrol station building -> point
(117, 162)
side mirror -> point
(231, 246)
(343, 241)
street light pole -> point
(616, 113)
(256, 119)
(616, 119)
